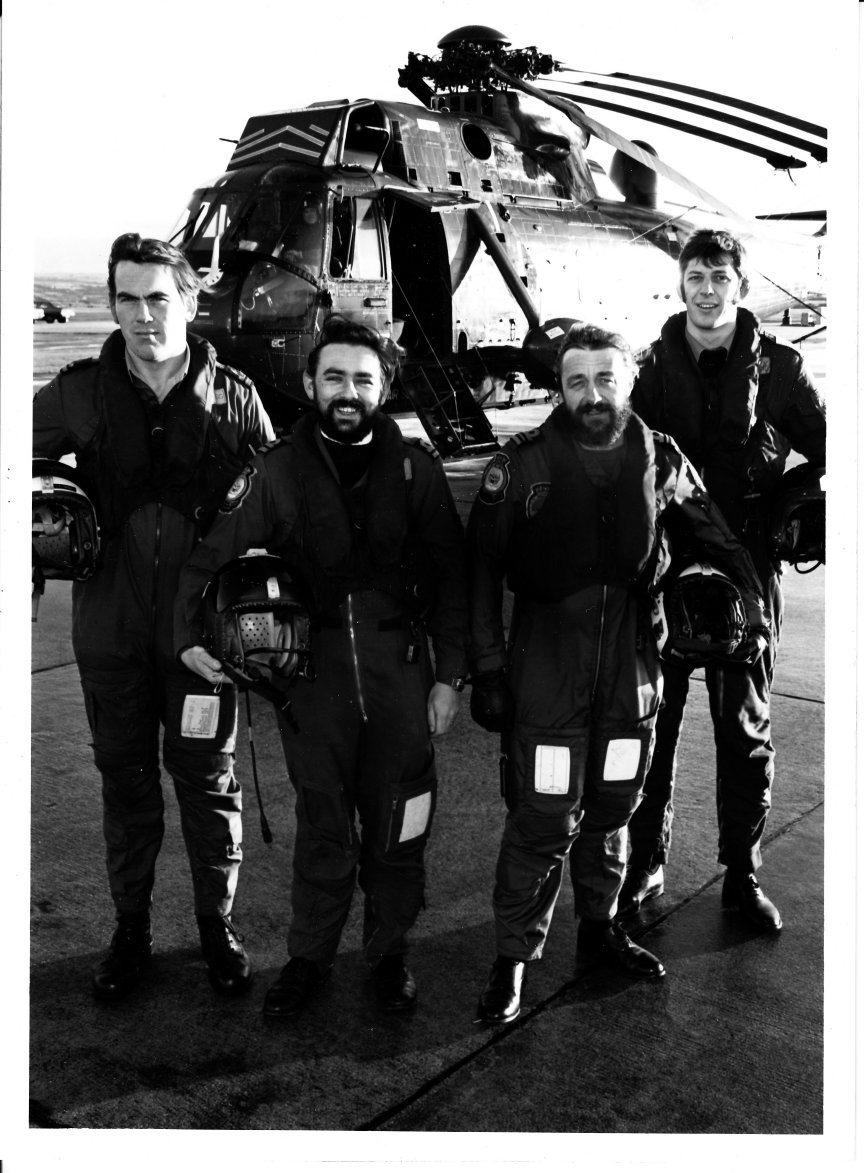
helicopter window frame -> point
(356, 240)
(476, 141)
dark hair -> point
(585, 336)
(711, 245)
(149, 251)
(337, 328)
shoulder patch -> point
(239, 490)
(496, 478)
(423, 445)
(764, 365)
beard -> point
(346, 431)
(599, 425)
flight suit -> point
(580, 555)
(737, 426)
(382, 562)
(156, 474)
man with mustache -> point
(737, 401)
(365, 518)
(159, 430)
(572, 515)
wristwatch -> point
(457, 683)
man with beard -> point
(572, 515)
(366, 520)
(737, 401)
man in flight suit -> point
(736, 400)
(159, 430)
(365, 518)
(571, 514)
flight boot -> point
(741, 893)
(606, 942)
(221, 944)
(127, 958)
(638, 888)
(501, 1000)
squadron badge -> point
(496, 478)
(238, 491)
(537, 498)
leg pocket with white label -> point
(409, 812)
(541, 765)
(617, 767)
(199, 719)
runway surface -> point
(729, 1045)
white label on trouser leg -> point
(622, 759)
(552, 769)
(200, 716)
(416, 816)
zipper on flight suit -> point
(352, 639)
(157, 552)
(600, 635)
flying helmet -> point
(65, 526)
(256, 620)
(797, 529)
(699, 617)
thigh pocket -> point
(202, 719)
(409, 812)
(543, 764)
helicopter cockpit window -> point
(274, 298)
(356, 249)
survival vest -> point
(180, 452)
(583, 534)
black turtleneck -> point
(350, 460)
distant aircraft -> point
(471, 229)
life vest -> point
(357, 538)
(584, 534)
(173, 452)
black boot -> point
(230, 971)
(741, 893)
(395, 988)
(638, 888)
(607, 942)
(501, 1000)
(294, 987)
(128, 957)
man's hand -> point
(753, 647)
(491, 702)
(198, 659)
(758, 639)
(441, 708)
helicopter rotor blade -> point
(777, 161)
(606, 135)
(597, 83)
(810, 128)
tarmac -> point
(728, 1049)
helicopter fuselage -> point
(455, 230)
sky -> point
(119, 116)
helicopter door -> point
(357, 263)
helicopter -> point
(470, 228)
